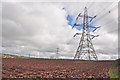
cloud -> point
(43, 27)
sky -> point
(39, 28)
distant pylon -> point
(29, 55)
(57, 52)
(85, 49)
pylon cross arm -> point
(77, 25)
(77, 34)
(93, 36)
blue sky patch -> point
(70, 19)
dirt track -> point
(41, 68)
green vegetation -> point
(114, 71)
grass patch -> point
(113, 73)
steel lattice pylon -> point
(85, 49)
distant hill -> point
(11, 56)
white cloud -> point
(44, 27)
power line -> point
(107, 12)
(103, 34)
(89, 7)
(105, 9)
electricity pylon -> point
(57, 52)
(85, 49)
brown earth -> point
(51, 68)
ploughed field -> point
(51, 68)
